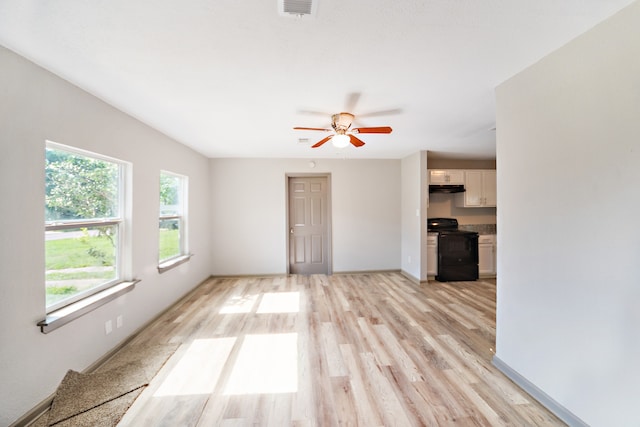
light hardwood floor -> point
(354, 349)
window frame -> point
(120, 221)
(182, 217)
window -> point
(172, 224)
(84, 224)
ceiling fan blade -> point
(315, 113)
(390, 112)
(355, 141)
(322, 141)
(320, 129)
(379, 129)
(352, 101)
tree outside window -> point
(172, 241)
(83, 223)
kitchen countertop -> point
(481, 229)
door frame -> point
(327, 175)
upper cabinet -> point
(451, 176)
(480, 186)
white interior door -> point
(308, 225)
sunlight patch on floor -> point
(239, 304)
(265, 364)
(280, 302)
(199, 368)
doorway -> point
(309, 224)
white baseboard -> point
(410, 276)
(560, 411)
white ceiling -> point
(231, 78)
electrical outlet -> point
(119, 321)
(409, 259)
(108, 327)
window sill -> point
(64, 315)
(173, 262)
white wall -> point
(248, 214)
(414, 190)
(568, 151)
(34, 106)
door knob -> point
(291, 230)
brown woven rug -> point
(102, 397)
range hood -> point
(446, 188)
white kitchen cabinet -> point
(480, 189)
(487, 254)
(449, 176)
(432, 254)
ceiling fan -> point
(343, 133)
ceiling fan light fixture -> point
(342, 121)
(344, 135)
(340, 140)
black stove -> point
(444, 225)
(457, 250)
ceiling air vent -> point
(297, 8)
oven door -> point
(457, 256)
